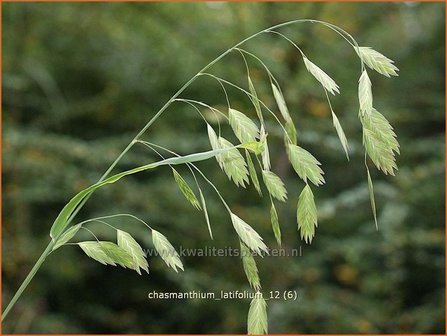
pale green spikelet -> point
(186, 189)
(280, 101)
(93, 250)
(265, 155)
(257, 323)
(365, 93)
(255, 99)
(130, 245)
(307, 214)
(233, 163)
(321, 76)
(118, 255)
(371, 197)
(341, 134)
(305, 164)
(243, 127)
(213, 140)
(253, 174)
(380, 141)
(291, 132)
(250, 268)
(166, 251)
(205, 213)
(248, 235)
(274, 185)
(376, 61)
(275, 224)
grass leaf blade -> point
(61, 220)
(66, 236)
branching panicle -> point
(379, 141)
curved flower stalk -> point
(241, 163)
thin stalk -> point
(203, 117)
(28, 279)
(192, 101)
(49, 247)
(250, 96)
(117, 215)
(285, 37)
(91, 232)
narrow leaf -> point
(341, 134)
(166, 251)
(250, 268)
(253, 174)
(130, 245)
(365, 93)
(61, 221)
(274, 185)
(186, 189)
(66, 236)
(306, 214)
(321, 76)
(275, 224)
(257, 323)
(376, 61)
(248, 235)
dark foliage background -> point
(79, 81)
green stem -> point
(140, 133)
(28, 279)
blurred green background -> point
(80, 80)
